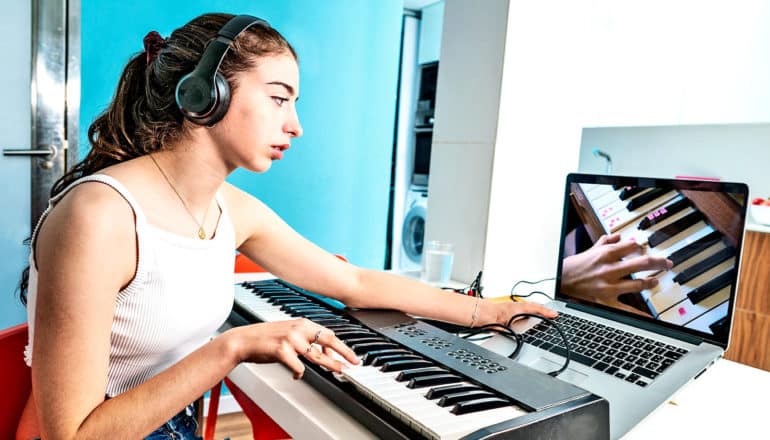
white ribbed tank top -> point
(181, 294)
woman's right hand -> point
(286, 341)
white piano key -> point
(593, 191)
(702, 323)
(686, 311)
(672, 295)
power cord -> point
(531, 283)
(553, 324)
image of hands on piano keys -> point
(692, 230)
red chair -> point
(262, 426)
(15, 380)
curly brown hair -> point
(143, 116)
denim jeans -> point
(181, 427)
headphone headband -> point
(203, 95)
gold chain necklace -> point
(201, 232)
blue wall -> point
(333, 185)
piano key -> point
(664, 213)
(630, 191)
(699, 294)
(406, 375)
(720, 327)
(702, 266)
(405, 364)
(714, 317)
(451, 399)
(479, 405)
(353, 333)
(685, 311)
(675, 228)
(645, 198)
(438, 392)
(363, 348)
(611, 203)
(695, 247)
(433, 380)
(379, 361)
(369, 357)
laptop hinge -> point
(638, 324)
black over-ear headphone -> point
(203, 95)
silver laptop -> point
(636, 349)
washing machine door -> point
(414, 231)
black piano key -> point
(317, 316)
(646, 198)
(281, 300)
(405, 364)
(302, 307)
(329, 322)
(678, 226)
(438, 392)
(353, 333)
(699, 294)
(695, 247)
(432, 380)
(720, 327)
(617, 186)
(365, 340)
(370, 356)
(663, 213)
(630, 191)
(381, 360)
(417, 372)
(371, 346)
(343, 326)
(702, 266)
(479, 405)
(452, 399)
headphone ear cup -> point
(222, 102)
(200, 102)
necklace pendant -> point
(201, 233)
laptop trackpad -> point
(569, 375)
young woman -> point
(131, 265)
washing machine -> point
(413, 230)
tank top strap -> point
(102, 178)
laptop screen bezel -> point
(678, 184)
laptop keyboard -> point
(622, 354)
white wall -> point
(570, 64)
(464, 132)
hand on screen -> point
(601, 271)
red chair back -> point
(15, 378)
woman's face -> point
(262, 118)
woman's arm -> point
(268, 240)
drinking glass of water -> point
(437, 260)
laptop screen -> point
(661, 250)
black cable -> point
(554, 325)
(531, 283)
(533, 293)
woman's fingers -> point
(329, 340)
